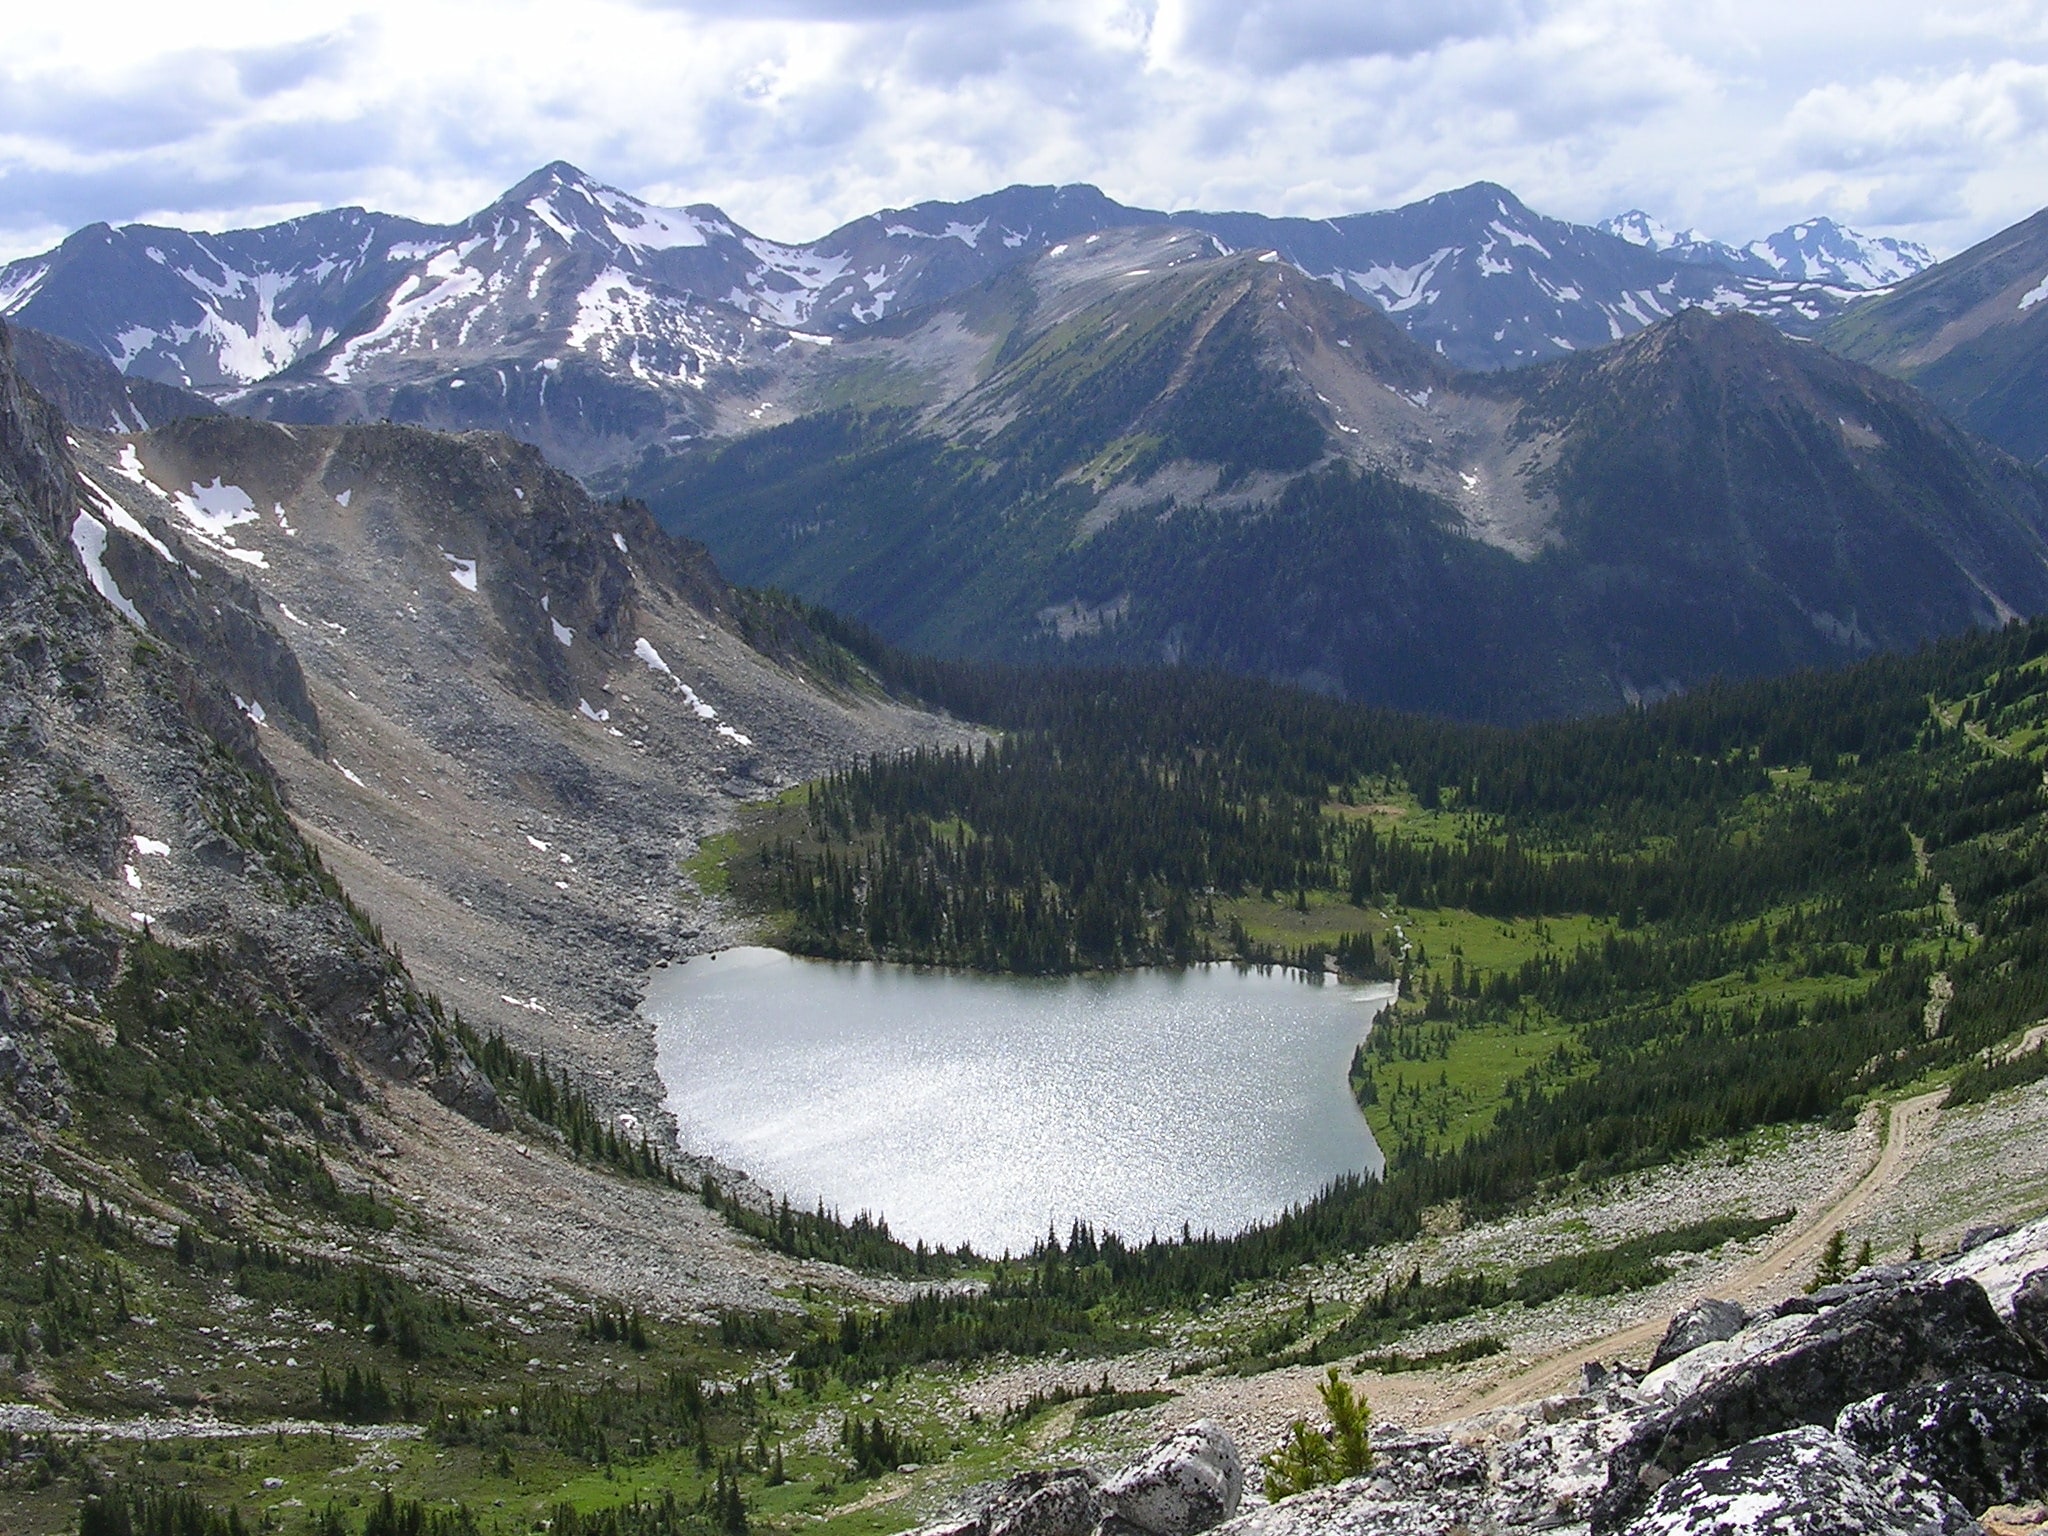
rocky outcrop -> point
(1870, 1340)
(1055, 1504)
(122, 737)
(92, 392)
(1189, 1482)
(1801, 1482)
(2030, 1308)
(1904, 1401)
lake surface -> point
(982, 1108)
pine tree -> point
(1833, 1267)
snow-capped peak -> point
(1638, 228)
(576, 208)
(1814, 250)
(1820, 250)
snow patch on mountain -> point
(121, 518)
(1638, 228)
(89, 538)
(410, 309)
(644, 227)
(1399, 288)
(213, 509)
(786, 285)
(19, 283)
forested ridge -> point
(1618, 938)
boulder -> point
(1421, 1484)
(1999, 1259)
(1817, 1366)
(1189, 1482)
(1800, 1482)
(1706, 1321)
(1064, 1504)
(1983, 1438)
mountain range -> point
(1043, 423)
(596, 324)
(1138, 448)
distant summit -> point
(1815, 251)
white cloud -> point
(1734, 116)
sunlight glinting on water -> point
(985, 1108)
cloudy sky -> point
(1912, 117)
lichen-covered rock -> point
(1983, 1438)
(1892, 1337)
(1064, 1504)
(1801, 1482)
(1189, 1482)
(2000, 1260)
(1706, 1321)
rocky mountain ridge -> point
(1972, 333)
(137, 796)
(595, 324)
(500, 709)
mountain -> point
(1139, 449)
(92, 392)
(1816, 251)
(138, 797)
(595, 324)
(209, 311)
(500, 709)
(1972, 333)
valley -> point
(375, 1161)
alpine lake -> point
(988, 1109)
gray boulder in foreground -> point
(1983, 1438)
(2030, 1308)
(1056, 1504)
(1189, 1482)
(1800, 1482)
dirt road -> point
(1772, 1275)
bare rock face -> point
(1887, 1338)
(1706, 1321)
(1983, 1438)
(1800, 1482)
(1191, 1481)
